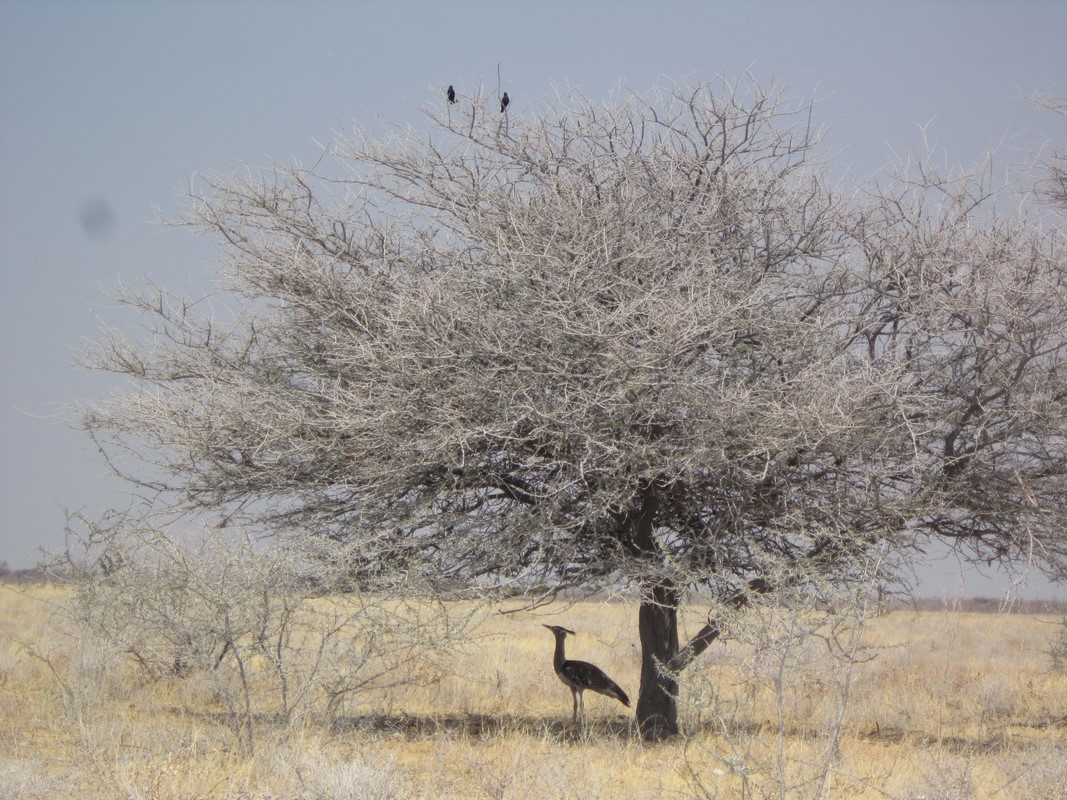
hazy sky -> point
(108, 109)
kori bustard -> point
(581, 675)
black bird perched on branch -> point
(451, 94)
(504, 102)
(581, 675)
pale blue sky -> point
(107, 109)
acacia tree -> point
(636, 343)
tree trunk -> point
(662, 660)
(657, 700)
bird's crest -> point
(558, 629)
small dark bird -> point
(504, 102)
(581, 675)
(451, 95)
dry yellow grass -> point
(953, 705)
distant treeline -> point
(31, 575)
(974, 605)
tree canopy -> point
(643, 342)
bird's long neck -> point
(558, 657)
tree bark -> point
(663, 659)
(657, 699)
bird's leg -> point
(574, 697)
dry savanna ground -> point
(932, 704)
